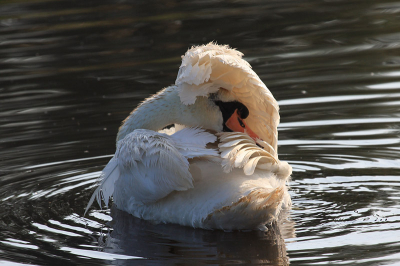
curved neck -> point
(165, 108)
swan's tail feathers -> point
(105, 190)
(259, 207)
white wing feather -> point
(238, 150)
(191, 142)
(148, 165)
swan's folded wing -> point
(148, 165)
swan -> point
(217, 167)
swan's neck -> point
(165, 108)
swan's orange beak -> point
(235, 123)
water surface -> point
(71, 71)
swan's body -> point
(202, 175)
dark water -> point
(71, 71)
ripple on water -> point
(71, 73)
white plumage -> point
(198, 174)
(206, 69)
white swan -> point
(221, 169)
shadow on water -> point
(71, 71)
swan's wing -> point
(238, 150)
(205, 69)
(149, 165)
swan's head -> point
(233, 112)
(219, 73)
(217, 90)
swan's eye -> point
(241, 122)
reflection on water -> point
(72, 71)
(179, 244)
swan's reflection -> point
(168, 243)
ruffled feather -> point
(238, 150)
(206, 69)
(150, 165)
